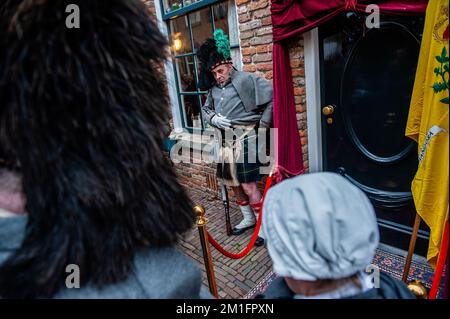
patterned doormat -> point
(387, 261)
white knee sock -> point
(249, 217)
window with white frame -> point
(189, 24)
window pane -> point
(206, 125)
(198, 71)
(220, 12)
(201, 26)
(189, 2)
(191, 108)
(185, 72)
(172, 5)
(180, 40)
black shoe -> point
(239, 231)
(259, 242)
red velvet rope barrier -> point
(255, 233)
(440, 265)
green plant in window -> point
(175, 6)
(441, 71)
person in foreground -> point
(321, 234)
(86, 196)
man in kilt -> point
(237, 105)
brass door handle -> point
(328, 110)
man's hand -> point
(221, 122)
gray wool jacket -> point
(159, 273)
(255, 93)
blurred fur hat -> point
(82, 112)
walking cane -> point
(226, 204)
(225, 199)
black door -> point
(367, 76)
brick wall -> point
(196, 175)
(296, 54)
(255, 27)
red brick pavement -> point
(234, 277)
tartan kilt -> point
(246, 172)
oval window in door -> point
(376, 89)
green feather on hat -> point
(222, 43)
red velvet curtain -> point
(291, 18)
(289, 159)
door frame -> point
(313, 100)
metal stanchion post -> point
(201, 225)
